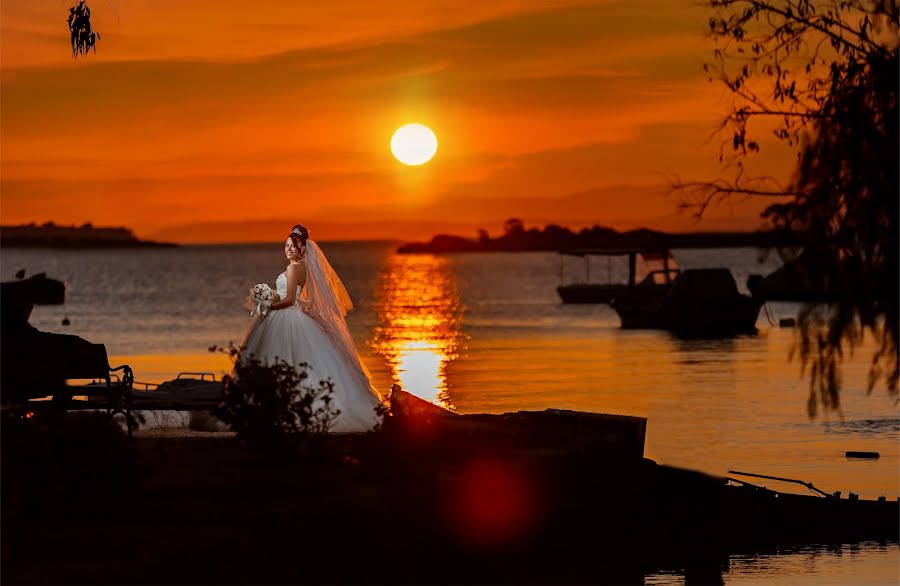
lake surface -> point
(871, 564)
(487, 333)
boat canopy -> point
(655, 261)
(614, 251)
(659, 264)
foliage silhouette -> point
(82, 35)
(513, 227)
(271, 405)
(827, 71)
(554, 237)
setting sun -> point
(414, 144)
(572, 355)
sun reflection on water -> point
(419, 324)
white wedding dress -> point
(323, 343)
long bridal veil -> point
(325, 299)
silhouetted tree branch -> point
(82, 35)
(828, 70)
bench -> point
(37, 364)
(111, 387)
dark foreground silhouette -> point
(547, 497)
(38, 364)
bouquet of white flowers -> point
(261, 299)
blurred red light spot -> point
(496, 504)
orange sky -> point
(199, 122)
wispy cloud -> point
(192, 112)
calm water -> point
(869, 564)
(487, 333)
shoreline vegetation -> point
(50, 235)
(516, 238)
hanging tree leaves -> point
(82, 35)
(827, 73)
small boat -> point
(807, 278)
(189, 391)
(642, 264)
(674, 506)
(764, 514)
(700, 303)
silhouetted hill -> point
(50, 235)
(517, 239)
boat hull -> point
(703, 303)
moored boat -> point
(656, 267)
(700, 303)
(806, 278)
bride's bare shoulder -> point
(296, 266)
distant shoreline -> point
(86, 245)
(600, 239)
(50, 235)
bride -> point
(306, 325)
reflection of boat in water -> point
(700, 303)
(642, 263)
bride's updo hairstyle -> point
(299, 235)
